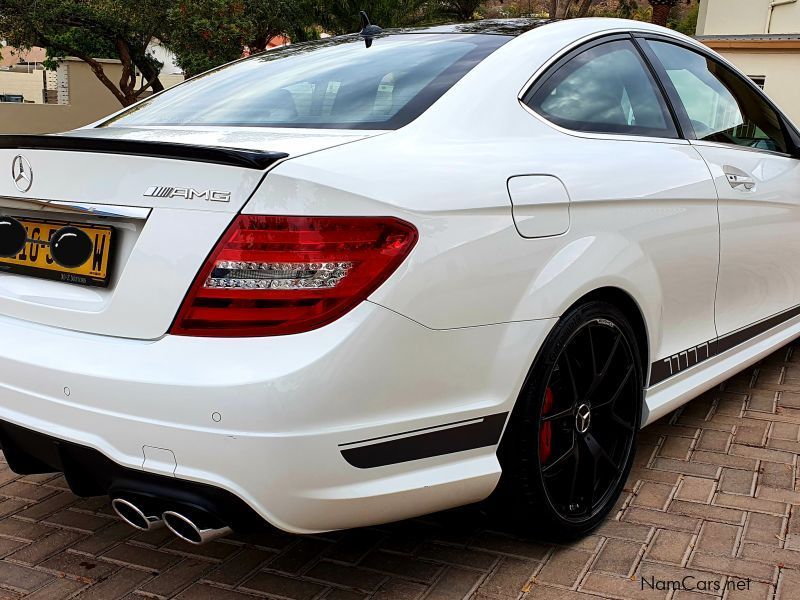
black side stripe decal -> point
(667, 367)
(426, 444)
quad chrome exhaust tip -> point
(135, 516)
(187, 530)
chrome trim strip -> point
(84, 208)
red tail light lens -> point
(280, 275)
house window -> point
(759, 80)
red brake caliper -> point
(546, 431)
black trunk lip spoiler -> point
(220, 155)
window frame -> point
(791, 136)
(549, 69)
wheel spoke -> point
(571, 375)
(592, 352)
(567, 412)
(560, 460)
(615, 396)
(598, 452)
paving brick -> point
(653, 495)
(717, 459)
(502, 544)
(751, 435)
(458, 556)
(661, 519)
(737, 481)
(764, 529)
(177, 578)
(509, 577)
(295, 558)
(785, 431)
(280, 585)
(718, 538)
(45, 547)
(397, 589)
(407, 567)
(22, 579)
(345, 576)
(137, 557)
(777, 475)
(454, 584)
(676, 447)
(80, 521)
(566, 565)
(696, 489)
(618, 556)
(734, 567)
(48, 506)
(770, 555)
(707, 512)
(763, 454)
(58, 589)
(83, 567)
(669, 546)
(207, 592)
(239, 566)
(626, 531)
(750, 504)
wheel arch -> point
(628, 305)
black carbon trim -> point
(234, 157)
(426, 444)
(665, 368)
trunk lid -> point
(167, 213)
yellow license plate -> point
(36, 258)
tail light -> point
(275, 275)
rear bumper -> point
(370, 419)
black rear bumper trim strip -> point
(234, 157)
(475, 433)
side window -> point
(722, 106)
(605, 89)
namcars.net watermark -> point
(694, 584)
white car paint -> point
(518, 219)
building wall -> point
(30, 85)
(739, 17)
(89, 101)
(781, 70)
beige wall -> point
(89, 99)
(740, 17)
(30, 85)
(782, 72)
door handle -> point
(740, 181)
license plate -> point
(36, 259)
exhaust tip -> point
(184, 528)
(133, 515)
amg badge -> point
(187, 193)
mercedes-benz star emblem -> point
(583, 418)
(22, 173)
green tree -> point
(204, 34)
(88, 29)
(464, 10)
(342, 16)
(565, 9)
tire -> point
(570, 442)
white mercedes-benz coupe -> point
(376, 276)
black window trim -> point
(549, 69)
(791, 135)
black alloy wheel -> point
(572, 436)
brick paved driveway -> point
(712, 496)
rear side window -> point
(605, 89)
(338, 83)
(722, 106)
